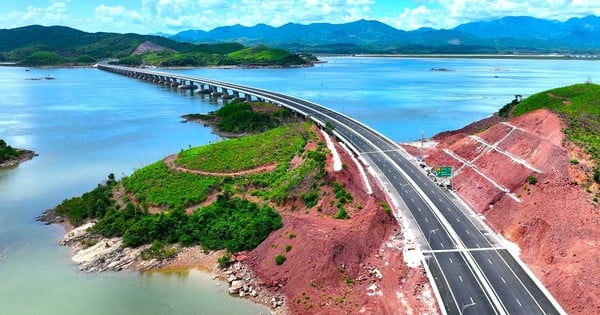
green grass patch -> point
(156, 185)
(274, 146)
(342, 214)
(579, 105)
(280, 259)
(266, 56)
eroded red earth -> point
(555, 222)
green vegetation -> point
(43, 58)
(57, 45)
(386, 207)
(341, 194)
(155, 204)
(579, 105)
(156, 185)
(505, 111)
(274, 146)
(7, 152)
(342, 214)
(242, 117)
(224, 260)
(280, 259)
(158, 250)
(230, 222)
(261, 55)
(532, 180)
(167, 58)
(217, 55)
(93, 204)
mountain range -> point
(519, 34)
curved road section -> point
(471, 271)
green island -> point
(239, 117)
(63, 46)
(167, 202)
(579, 107)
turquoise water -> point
(88, 123)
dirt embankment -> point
(527, 178)
(342, 266)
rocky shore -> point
(93, 253)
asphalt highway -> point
(473, 273)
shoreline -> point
(26, 155)
(465, 56)
(95, 254)
(207, 123)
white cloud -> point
(444, 14)
(53, 14)
(149, 16)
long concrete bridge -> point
(468, 266)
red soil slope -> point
(332, 263)
(555, 222)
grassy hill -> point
(160, 204)
(58, 45)
(579, 105)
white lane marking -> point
(442, 244)
(419, 209)
(426, 220)
(460, 278)
(502, 278)
(450, 259)
(489, 261)
(467, 232)
(518, 302)
(457, 220)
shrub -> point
(532, 180)
(342, 214)
(288, 247)
(7, 152)
(224, 260)
(386, 207)
(310, 198)
(158, 251)
(280, 259)
(574, 161)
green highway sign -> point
(443, 171)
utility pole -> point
(421, 149)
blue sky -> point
(172, 16)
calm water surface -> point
(88, 123)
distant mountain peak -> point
(522, 34)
